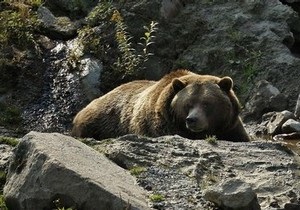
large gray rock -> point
(49, 167)
(297, 108)
(233, 194)
(266, 98)
(90, 72)
(275, 123)
(291, 126)
(71, 7)
(56, 27)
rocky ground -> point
(174, 173)
(183, 170)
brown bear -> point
(184, 103)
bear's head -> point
(204, 107)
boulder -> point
(266, 98)
(47, 168)
(277, 120)
(297, 108)
(170, 9)
(291, 126)
(90, 73)
(56, 27)
(233, 194)
(291, 206)
(74, 8)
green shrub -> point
(2, 203)
(130, 59)
(211, 139)
(17, 24)
(102, 12)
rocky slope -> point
(249, 41)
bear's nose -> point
(191, 120)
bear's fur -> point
(184, 103)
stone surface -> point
(277, 120)
(49, 167)
(56, 27)
(71, 7)
(5, 154)
(297, 108)
(90, 72)
(266, 98)
(233, 194)
(291, 126)
(181, 169)
(170, 9)
(291, 206)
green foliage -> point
(130, 60)
(8, 140)
(17, 24)
(90, 40)
(127, 59)
(211, 140)
(137, 170)
(246, 61)
(2, 203)
(100, 13)
(147, 39)
(34, 3)
(251, 65)
(2, 182)
(156, 197)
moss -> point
(137, 170)
(8, 140)
(156, 197)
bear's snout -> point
(191, 120)
(194, 122)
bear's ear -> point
(178, 85)
(226, 84)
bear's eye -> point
(188, 106)
(207, 106)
